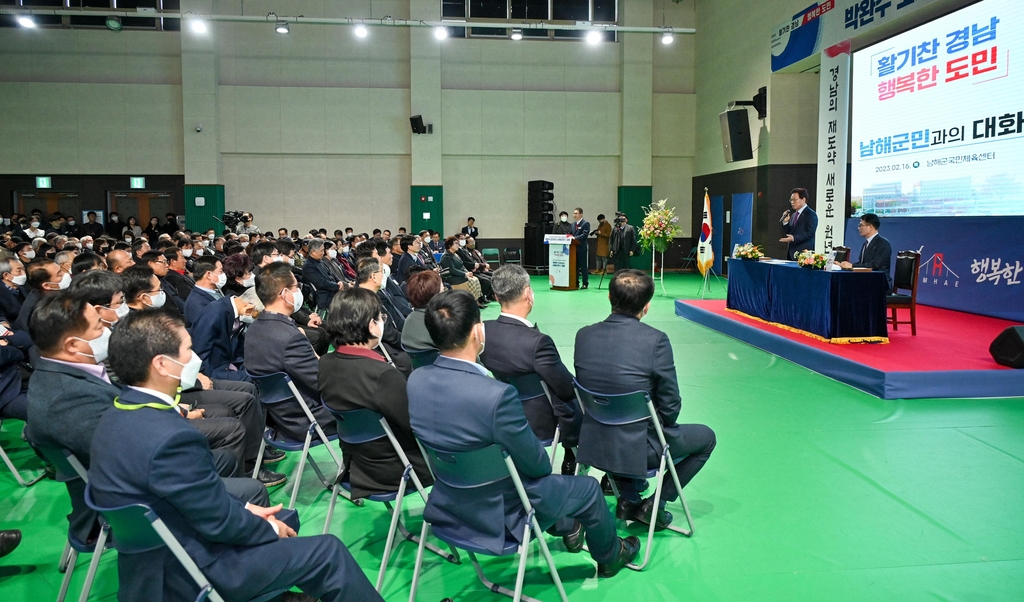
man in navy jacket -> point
(145, 453)
(799, 224)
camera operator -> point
(623, 242)
(603, 232)
(245, 225)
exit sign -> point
(43, 182)
(137, 182)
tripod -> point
(705, 285)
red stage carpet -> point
(948, 358)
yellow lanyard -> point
(154, 405)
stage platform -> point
(948, 357)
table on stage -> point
(840, 306)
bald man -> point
(119, 261)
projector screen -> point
(937, 118)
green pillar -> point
(632, 201)
(203, 203)
(427, 206)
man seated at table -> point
(876, 253)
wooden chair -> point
(905, 279)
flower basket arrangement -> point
(811, 260)
(750, 251)
(660, 226)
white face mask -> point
(186, 252)
(250, 281)
(244, 244)
(332, 254)
(291, 261)
(222, 280)
(98, 346)
(246, 319)
(65, 281)
(35, 224)
(380, 332)
(30, 254)
(462, 242)
(189, 371)
(88, 245)
(157, 299)
(387, 272)
(482, 337)
(113, 218)
(121, 311)
(71, 223)
(20, 280)
(198, 252)
(128, 240)
(296, 301)
(426, 240)
(209, 236)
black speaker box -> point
(540, 185)
(535, 253)
(1008, 348)
(736, 135)
(416, 121)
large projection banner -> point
(938, 117)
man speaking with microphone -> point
(798, 224)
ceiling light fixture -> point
(361, 31)
(199, 26)
(113, 23)
(517, 34)
(666, 38)
(594, 37)
(26, 21)
(440, 32)
(282, 27)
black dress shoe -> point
(643, 515)
(606, 486)
(269, 478)
(629, 547)
(625, 509)
(568, 467)
(585, 285)
(9, 539)
(272, 456)
(574, 541)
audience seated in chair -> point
(371, 277)
(420, 289)
(209, 278)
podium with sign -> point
(561, 261)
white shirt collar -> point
(871, 238)
(161, 396)
(514, 317)
(475, 365)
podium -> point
(562, 261)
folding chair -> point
(14, 470)
(531, 387)
(363, 426)
(513, 255)
(491, 255)
(70, 468)
(421, 357)
(138, 529)
(278, 388)
(630, 408)
(471, 470)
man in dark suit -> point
(144, 454)
(454, 406)
(44, 278)
(370, 276)
(622, 244)
(275, 344)
(317, 273)
(209, 277)
(177, 279)
(518, 348)
(641, 361)
(799, 224)
(13, 291)
(876, 252)
(470, 228)
(411, 246)
(13, 403)
(581, 232)
(219, 340)
(161, 267)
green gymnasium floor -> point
(816, 492)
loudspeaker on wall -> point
(736, 135)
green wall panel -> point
(632, 200)
(200, 219)
(425, 200)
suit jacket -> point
(877, 256)
(174, 300)
(414, 335)
(10, 373)
(64, 406)
(623, 240)
(182, 283)
(515, 349)
(31, 300)
(623, 355)
(11, 301)
(581, 232)
(454, 407)
(398, 297)
(154, 457)
(395, 317)
(471, 231)
(195, 305)
(216, 340)
(803, 232)
(405, 261)
(274, 344)
(362, 379)
(319, 275)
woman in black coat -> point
(458, 276)
(356, 376)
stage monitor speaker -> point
(535, 253)
(540, 185)
(1008, 348)
(736, 135)
(417, 124)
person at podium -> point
(798, 224)
(876, 252)
(581, 231)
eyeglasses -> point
(384, 318)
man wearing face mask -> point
(519, 348)
(44, 278)
(563, 226)
(371, 277)
(316, 272)
(220, 338)
(209, 277)
(160, 266)
(454, 406)
(13, 292)
(114, 227)
(642, 361)
(291, 352)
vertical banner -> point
(558, 258)
(833, 145)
